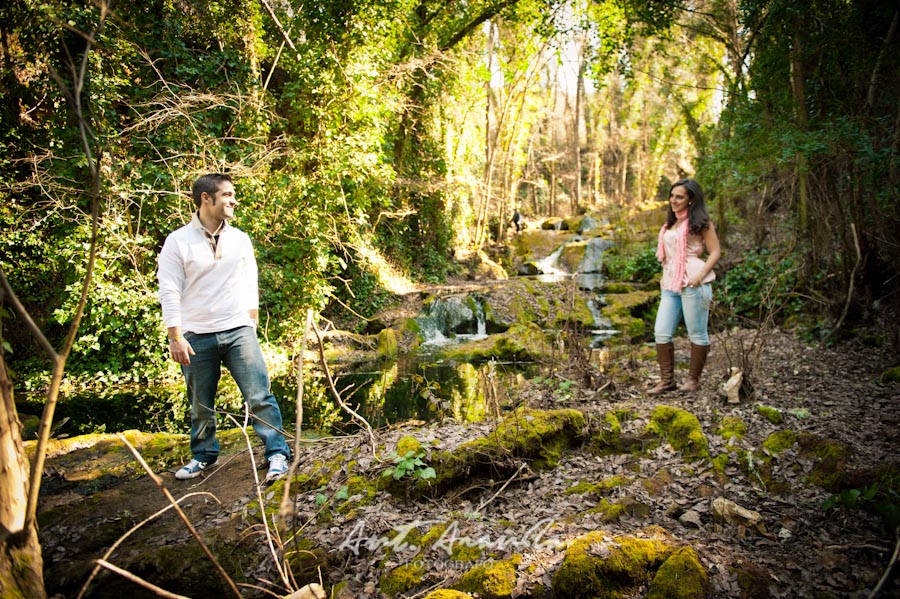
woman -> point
(686, 282)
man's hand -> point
(180, 350)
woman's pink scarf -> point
(681, 247)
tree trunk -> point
(576, 138)
(21, 563)
(799, 93)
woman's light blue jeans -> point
(692, 303)
(238, 349)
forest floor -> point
(801, 550)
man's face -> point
(222, 204)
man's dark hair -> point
(207, 184)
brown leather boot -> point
(698, 361)
(665, 355)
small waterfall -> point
(549, 265)
(453, 317)
(602, 326)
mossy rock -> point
(680, 577)
(535, 435)
(609, 439)
(627, 311)
(732, 428)
(771, 414)
(554, 223)
(387, 343)
(494, 580)
(611, 511)
(521, 342)
(447, 594)
(618, 287)
(681, 429)
(891, 375)
(599, 488)
(407, 444)
(597, 567)
(829, 457)
(401, 579)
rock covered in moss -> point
(681, 429)
(891, 375)
(771, 414)
(598, 567)
(387, 343)
(401, 579)
(682, 576)
(493, 580)
(539, 436)
(447, 594)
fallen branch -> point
(500, 490)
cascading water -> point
(453, 318)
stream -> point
(417, 386)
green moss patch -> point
(680, 577)
(538, 436)
(599, 488)
(681, 429)
(771, 414)
(401, 579)
(494, 580)
(447, 594)
(829, 457)
(597, 567)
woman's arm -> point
(711, 241)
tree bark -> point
(21, 562)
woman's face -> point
(678, 198)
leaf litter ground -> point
(805, 550)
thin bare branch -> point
(139, 581)
(131, 531)
(337, 396)
(159, 483)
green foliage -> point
(880, 498)
(640, 267)
(763, 282)
(560, 389)
(410, 464)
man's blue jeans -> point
(238, 349)
(692, 303)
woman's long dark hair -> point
(698, 218)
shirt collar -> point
(195, 222)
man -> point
(210, 304)
(517, 220)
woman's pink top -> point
(694, 261)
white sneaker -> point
(193, 469)
(278, 467)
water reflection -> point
(410, 389)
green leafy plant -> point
(410, 464)
(879, 497)
(639, 267)
(561, 390)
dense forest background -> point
(373, 142)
